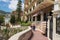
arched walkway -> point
(37, 35)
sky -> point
(10, 5)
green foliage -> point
(19, 6)
(7, 25)
(8, 32)
(25, 24)
(12, 19)
(19, 9)
(18, 19)
(1, 19)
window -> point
(39, 1)
(33, 7)
(30, 1)
(45, 18)
(30, 9)
(58, 25)
(33, 18)
(38, 18)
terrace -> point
(29, 34)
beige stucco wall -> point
(23, 18)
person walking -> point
(33, 27)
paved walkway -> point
(38, 36)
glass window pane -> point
(58, 25)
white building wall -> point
(55, 12)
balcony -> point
(42, 6)
(28, 35)
(39, 1)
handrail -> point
(18, 35)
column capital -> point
(57, 1)
(35, 4)
(49, 17)
(56, 11)
(41, 12)
(55, 15)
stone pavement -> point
(37, 35)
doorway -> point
(51, 25)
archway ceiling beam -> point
(42, 7)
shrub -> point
(25, 24)
(12, 19)
(1, 19)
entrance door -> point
(51, 28)
(38, 18)
(58, 28)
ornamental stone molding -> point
(49, 17)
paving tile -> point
(37, 35)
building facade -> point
(7, 18)
(40, 12)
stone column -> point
(54, 26)
(48, 33)
(29, 18)
(28, 11)
(55, 12)
(32, 8)
(42, 17)
(35, 4)
(35, 18)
